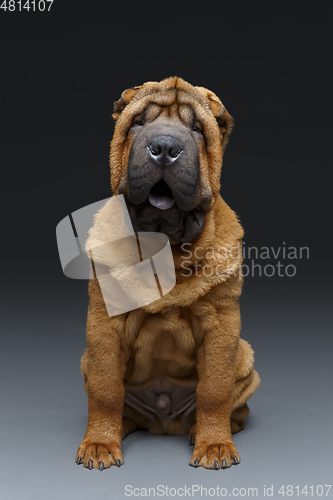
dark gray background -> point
(270, 63)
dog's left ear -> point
(126, 98)
(224, 120)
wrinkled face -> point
(166, 156)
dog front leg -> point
(216, 366)
(104, 368)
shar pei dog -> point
(176, 365)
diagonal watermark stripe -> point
(132, 269)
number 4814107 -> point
(26, 5)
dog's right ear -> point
(126, 98)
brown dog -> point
(176, 365)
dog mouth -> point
(160, 196)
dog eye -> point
(197, 127)
(138, 120)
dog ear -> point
(126, 98)
(224, 120)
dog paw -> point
(99, 455)
(191, 436)
(236, 425)
(215, 456)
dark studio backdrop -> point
(61, 71)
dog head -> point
(166, 155)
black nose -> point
(164, 150)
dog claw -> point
(236, 460)
(118, 462)
(78, 461)
(101, 466)
(90, 465)
(194, 463)
(224, 464)
(216, 464)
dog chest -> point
(161, 345)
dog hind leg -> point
(128, 426)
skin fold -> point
(176, 365)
